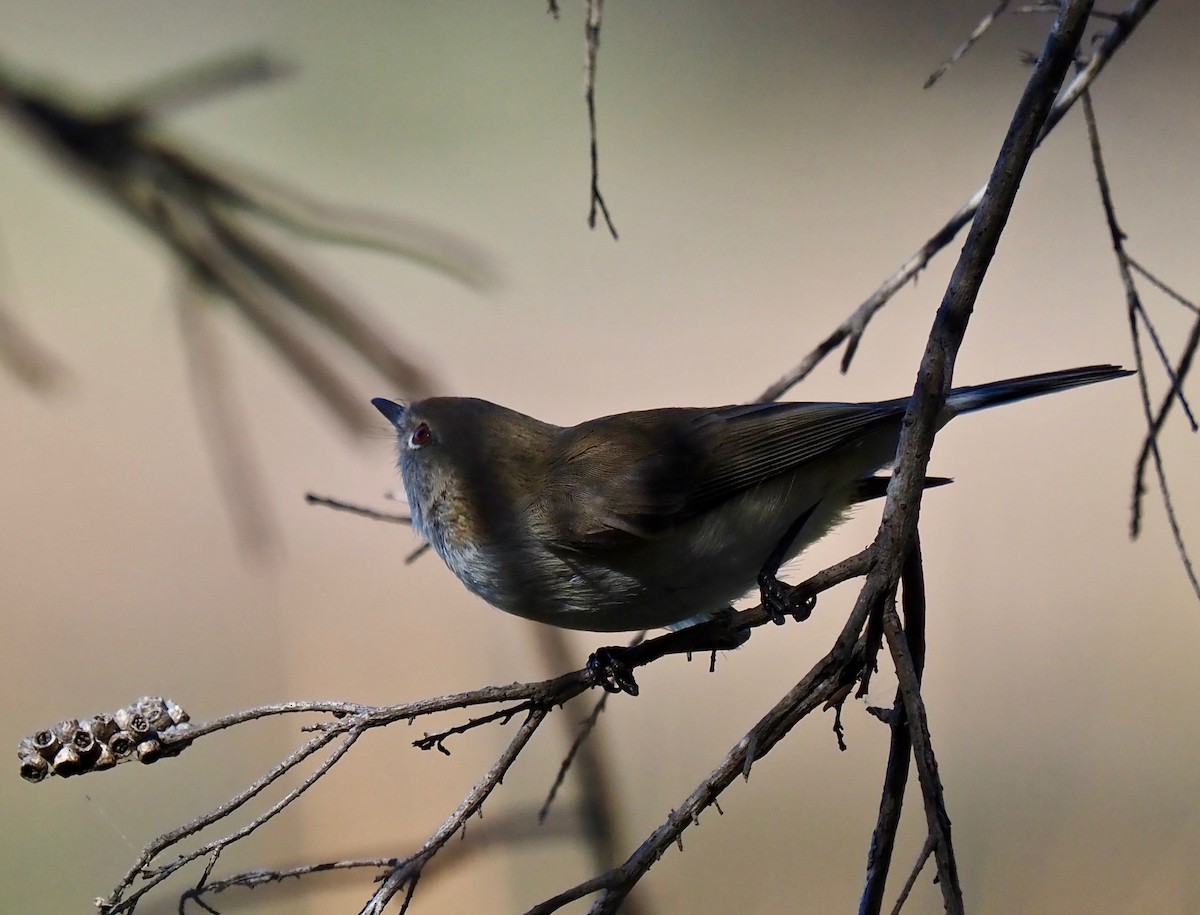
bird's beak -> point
(392, 410)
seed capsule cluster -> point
(148, 729)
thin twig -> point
(984, 24)
(362, 511)
(196, 84)
(506, 829)
(410, 868)
(354, 720)
(1161, 286)
(918, 866)
(895, 780)
(936, 817)
(595, 14)
(117, 902)
(1134, 311)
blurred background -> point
(767, 167)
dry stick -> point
(410, 868)
(507, 829)
(1133, 309)
(353, 719)
(153, 876)
(891, 802)
(949, 327)
(1150, 443)
(362, 511)
(918, 866)
(262, 877)
(595, 13)
(1177, 373)
(1175, 392)
(1163, 287)
(927, 773)
(851, 330)
(984, 24)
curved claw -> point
(609, 667)
(778, 600)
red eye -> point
(421, 436)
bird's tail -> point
(981, 396)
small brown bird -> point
(653, 518)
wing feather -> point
(634, 476)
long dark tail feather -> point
(876, 487)
(981, 396)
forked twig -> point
(895, 779)
(595, 14)
(1138, 318)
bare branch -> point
(1136, 312)
(984, 24)
(595, 13)
(507, 829)
(931, 787)
(918, 866)
(360, 510)
(895, 780)
(409, 870)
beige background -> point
(767, 167)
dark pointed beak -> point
(392, 410)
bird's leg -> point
(775, 594)
(612, 667)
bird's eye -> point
(421, 436)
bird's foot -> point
(779, 601)
(611, 669)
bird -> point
(653, 518)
